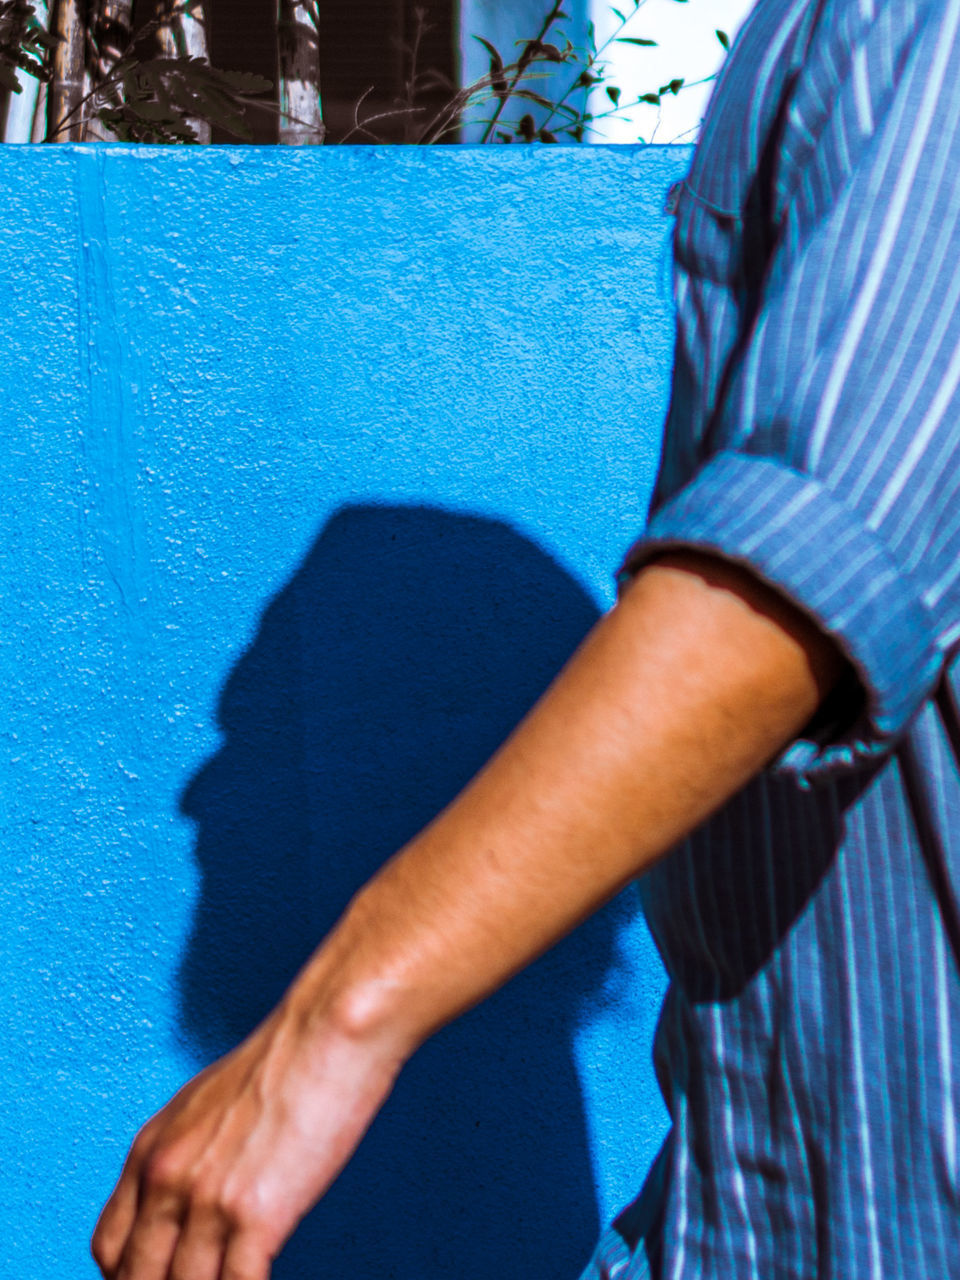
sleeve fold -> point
(799, 538)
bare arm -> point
(686, 689)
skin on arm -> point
(687, 688)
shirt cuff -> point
(807, 544)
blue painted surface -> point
(316, 466)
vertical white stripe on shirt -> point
(860, 313)
(861, 89)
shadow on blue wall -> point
(404, 649)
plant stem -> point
(522, 63)
(592, 61)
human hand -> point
(218, 1179)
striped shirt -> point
(809, 1045)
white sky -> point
(687, 48)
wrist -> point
(344, 994)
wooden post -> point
(298, 61)
(66, 88)
(183, 34)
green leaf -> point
(242, 81)
(8, 78)
(160, 99)
(148, 109)
(547, 136)
(650, 97)
(537, 49)
(30, 65)
(613, 93)
(647, 44)
(723, 38)
(530, 96)
(23, 44)
(46, 38)
(527, 128)
(498, 80)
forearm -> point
(687, 688)
(676, 698)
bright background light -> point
(687, 48)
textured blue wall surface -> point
(316, 466)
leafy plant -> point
(168, 99)
(24, 44)
(507, 86)
(157, 100)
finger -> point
(248, 1257)
(200, 1249)
(113, 1226)
(154, 1237)
(119, 1213)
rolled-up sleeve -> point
(831, 467)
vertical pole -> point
(66, 88)
(111, 23)
(183, 34)
(298, 65)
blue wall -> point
(316, 466)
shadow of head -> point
(382, 676)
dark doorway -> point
(367, 48)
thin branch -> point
(523, 62)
